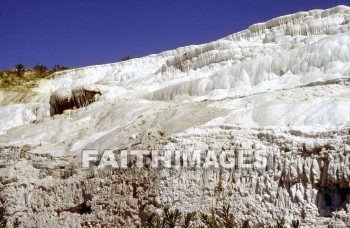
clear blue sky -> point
(88, 32)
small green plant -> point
(20, 70)
(171, 218)
(125, 58)
(189, 217)
(154, 221)
(228, 218)
(40, 70)
(57, 67)
(174, 218)
(210, 221)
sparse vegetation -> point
(126, 58)
(57, 67)
(171, 219)
(210, 221)
(41, 70)
(189, 217)
(228, 218)
(216, 219)
(22, 79)
(154, 221)
(20, 70)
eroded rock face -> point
(304, 181)
(280, 87)
(66, 99)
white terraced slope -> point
(262, 76)
(286, 79)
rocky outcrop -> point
(305, 181)
(274, 97)
(65, 99)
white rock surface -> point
(282, 85)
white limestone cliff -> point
(282, 86)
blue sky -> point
(89, 32)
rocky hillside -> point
(275, 97)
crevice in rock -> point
(83, 208)
(71, 99)
(331, 199)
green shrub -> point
(40, 70)
(20, 70)
(174, 218)
(57, 67)
(125, 58)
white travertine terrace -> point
(284, 82)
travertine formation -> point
(278, 92)
(303, 180)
